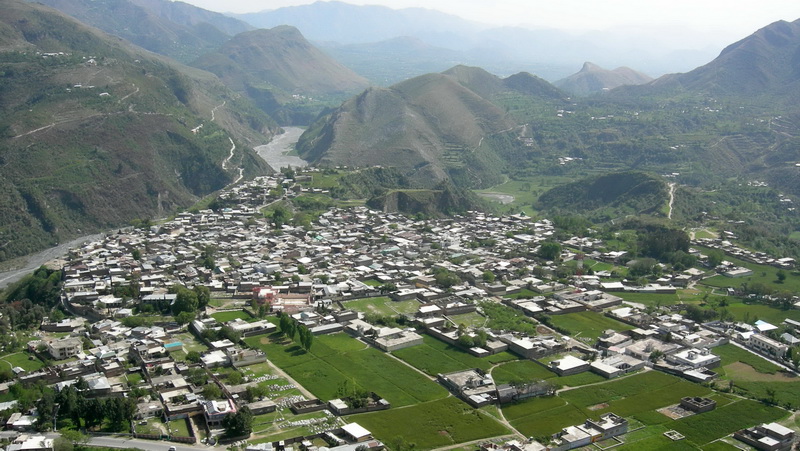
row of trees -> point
(291, 329)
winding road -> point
(671, 199)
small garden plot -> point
(435, 356)
(649, 299)
(587, 324)
(383, 306)
(473, 319)
(224, 317)
(431, 425)
(283, 424)
(730, 354)
(526, 370)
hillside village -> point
(183, 318)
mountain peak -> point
(590, 67)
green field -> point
(23, 360)
(588, 324)
(473, 319)
(224, 317)
(757, 378)
(730, 353)
(649, 299)
(707, 427)
(527, 370)
(432, 424)
(435, 356)
(382, 305)
(629, 396)
(338, 359)
(761, 274)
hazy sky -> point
(731, 18)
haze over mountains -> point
(549, 53)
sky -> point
(727, 19)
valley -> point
(351, 238)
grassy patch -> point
(224, 317)
(588, 324)
(338, 359)
(435, 356)
(383, 305)
(649, 299)
(526, 370)
(710, 426)
(730, 354)
(23, 360)
(430, 425)
(523, 294)
(473, 319)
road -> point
(671, 199)
(149, 445)
(34, 261)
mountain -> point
(175, 29)
(593, 79)
(350, 24)
(432, 126)
(550, 53)
(766, 63)
(278, 66)
(96, 132)
(489, 86)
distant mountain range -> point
(96, 132)
(593, 79)
(552, 54)
(278, 66)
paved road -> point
(148, 445)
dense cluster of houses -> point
(311, 271)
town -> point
(371, 330)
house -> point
(767, 346)
(694, 358)
(569, 365)
(609, 425)
(27, 442)
(356, 433)
(243, 357)
(698, 405)
(64, 348)
(215, 411)
(767, 437)
(616, 365)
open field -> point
(382, 305)
(435, 356)
(588, 324)
(704, 428)
(638, 394)
(22, 360)
(338, 359)
(527, 370)
(224, 317)
(473, 319)
(732, 354)
(761, 274)
(432, 424)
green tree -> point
(239, 424)
(184, 318)
(781, 276)
(193, 356)
(186, 300)
(212, 391)
(549, 250)
(488, 277)
(715, 257)
(203, 296)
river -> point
(274, 153)
(34, 261)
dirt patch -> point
(675, 412)
(543, 330)
(745, 372)
(602, 405)
(264, 340)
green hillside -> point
(95, 133)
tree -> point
(212, 391)
(186, 301)
(239, 424)
(488, 277)
(549, 250)
(62, 444)
(184, 318)
(306, 337)
(193, 356)
(203, 296)
(781, 275)
(74, 436)
(280, 216)
(715, 257)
